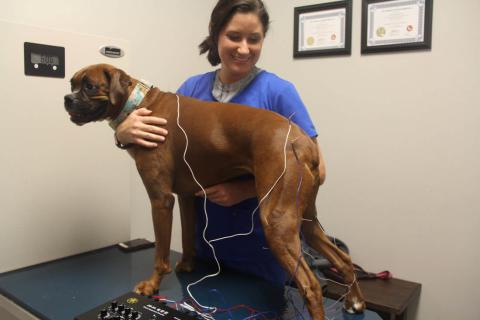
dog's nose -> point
(69, 102)
(68, 99)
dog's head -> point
(98, 92)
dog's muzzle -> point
(82, 112)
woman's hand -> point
(142, 129)
(230, 193)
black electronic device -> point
(132, 306)
(135, 244)
(44, 60)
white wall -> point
(399, 131)
(53, 173)
(69, 207)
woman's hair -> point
(221, 15)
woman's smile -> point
(239, 46)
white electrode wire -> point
(206, 215)
(348, 286)
(267, 194)
(205, 206)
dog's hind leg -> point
(280, 218)
(316, 238)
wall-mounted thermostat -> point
(44, 60)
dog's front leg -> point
(156, 176)
(187, 216)
(162, 206)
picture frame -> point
(323, 29)
(396, 25)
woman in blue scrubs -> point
(236, 34)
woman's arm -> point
(230, 193)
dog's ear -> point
(119, 82)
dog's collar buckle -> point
(136, 96)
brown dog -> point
(220, 148)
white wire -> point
(214, 309)
(325, 279)
(348, 286)
(190, 308)
(206, 215)
(267, 194)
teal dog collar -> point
(135, 98)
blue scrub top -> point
(248, 254)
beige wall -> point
(159, 34)
(51, 197)
(399, 131)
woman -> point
(236, 34)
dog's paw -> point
(354, 307)
(185, 266)
(146, 288)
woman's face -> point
(239, 46)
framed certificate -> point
(322, 29)
(392, 25)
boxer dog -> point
(225, 141)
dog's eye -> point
(89, 86)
